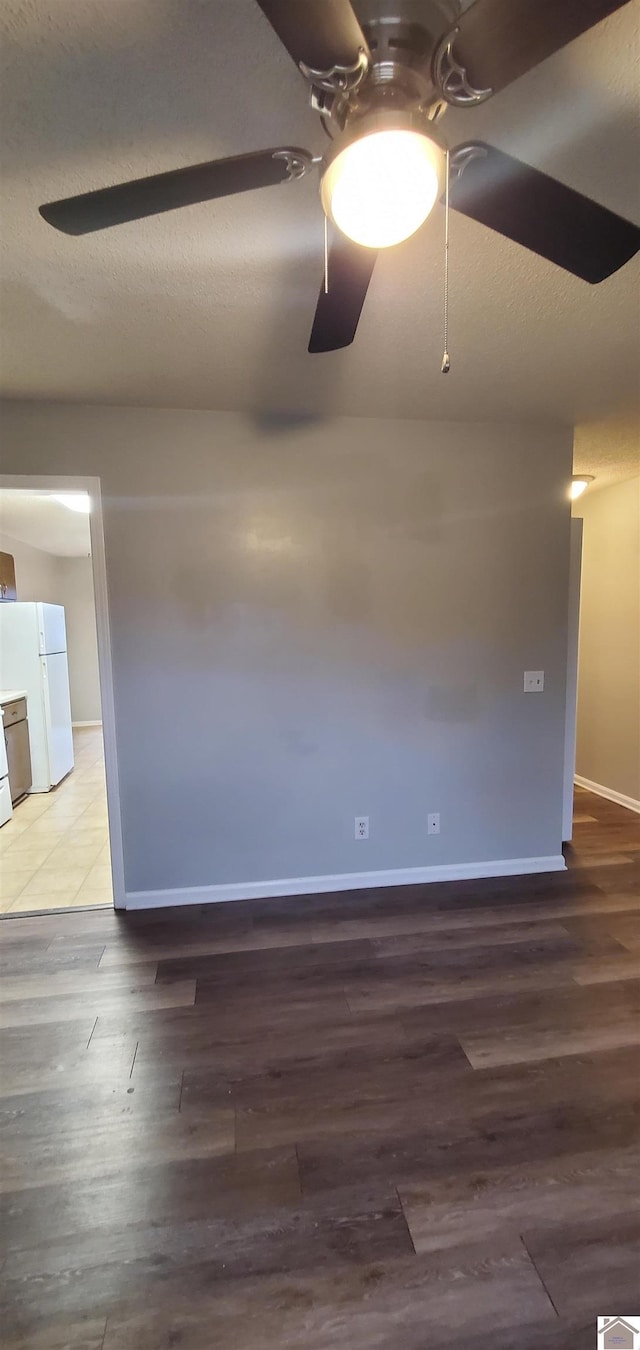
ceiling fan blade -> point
(499, 40)
(318, 34)
(338, 310)
(540, 213)
(180, 187)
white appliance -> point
(6, 809)
(33, 656)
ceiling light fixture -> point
(75, 501)
(579, 484)
(383, 178)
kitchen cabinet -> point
(7, 577)
(16, 739)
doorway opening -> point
(60, 835)
(602, 740)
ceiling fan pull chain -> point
(446, 363)
(326, 255)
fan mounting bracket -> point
(450, 76)
(296, 163)
(338, 79)
(462, 156)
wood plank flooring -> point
(388, 1120)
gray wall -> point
(608, 748)
(316, 621)
(76, 576)
(69, 582)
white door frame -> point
(34, 482)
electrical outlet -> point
(433, 823)
(533, 681)
(362, 827)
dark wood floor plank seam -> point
(404, 1215)
(539, 1276)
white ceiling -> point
(211, 306)
(36, 518)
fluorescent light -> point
(579, 484)
(76, 501)
(380, 188)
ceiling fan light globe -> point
(381, 186)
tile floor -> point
(54, 852)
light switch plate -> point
(533, 681)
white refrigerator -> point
(33, 657)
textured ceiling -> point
(211, 306)
(610, 450)
(36, 518)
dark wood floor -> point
(394, 1120)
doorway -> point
(571, 704)
(60, 837)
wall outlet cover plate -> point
(533, 681)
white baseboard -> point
(87, 724)
(346, 881)
(610, 793)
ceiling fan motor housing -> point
(400, 69)
(397, 77)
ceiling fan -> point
(380, 90)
